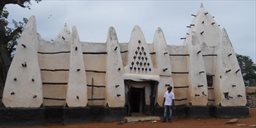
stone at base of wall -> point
(231, 112)
(206, 111)
(186, 111)
(16, 115)
(180, 111)
(60, 114)
(198, 111)
(94, 114)
(101, 113)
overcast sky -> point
(93, 18)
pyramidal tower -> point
(23, 87)
(214, 74)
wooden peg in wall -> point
(202, 32)
(201, 72)
(237, 70)
(23, 45)
(24, 64)
(193, 15)
(200, 86)
(12, 93)
(165, 69)
(228, 70)
(239, 95)
(115, 48)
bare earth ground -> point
(177, 123)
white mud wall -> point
(23, 87)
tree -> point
(248, 69)
(8, 36)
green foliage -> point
(9, 35)
(248, 69)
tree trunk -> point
(5, 61)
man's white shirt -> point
(168, 98)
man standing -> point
(168, 104)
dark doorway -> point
(137, 99)
(140, 97)
(209, 80)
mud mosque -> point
(112, 79)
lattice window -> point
(140, 61)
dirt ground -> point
(177, 123)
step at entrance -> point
(141, 118)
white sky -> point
(93, 18)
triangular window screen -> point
(140, 61)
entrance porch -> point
(140, 97)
